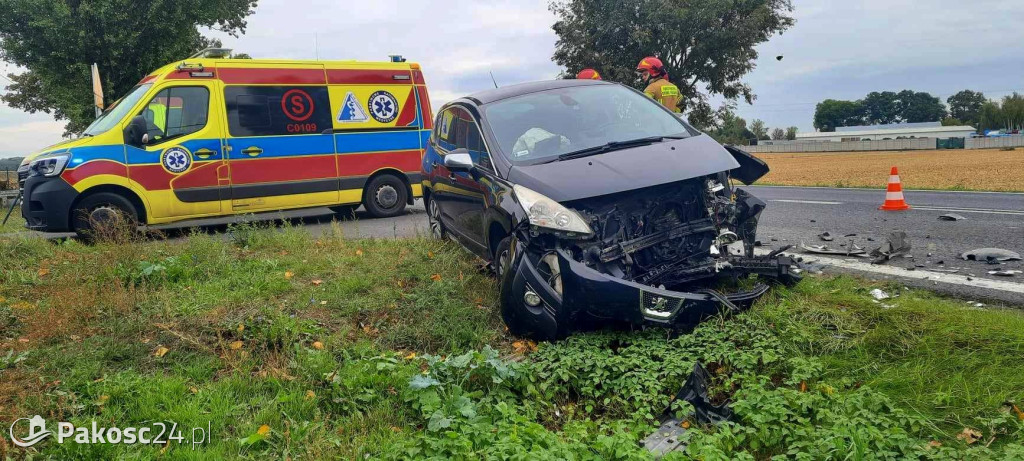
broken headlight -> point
(547, 214)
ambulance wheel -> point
(103, 213)
(385, 196)
(345, 211)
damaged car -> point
(593, 202)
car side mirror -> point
(137, 132)
(458, 160)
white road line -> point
(966, 210)
(883, 189)
(953, 279)
(813, 202)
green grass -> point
(395, 349)
(15, 224)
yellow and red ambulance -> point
(211, 137)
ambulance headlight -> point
(51, 165)
(548, 215)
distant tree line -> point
(10, 163)
(728, 128)
(880, 108)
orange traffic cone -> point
(894, 194)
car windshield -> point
(116, 112)
(539, 127)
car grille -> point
(657, 306)
(22, 176)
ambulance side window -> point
(176, 112)
(277, 110)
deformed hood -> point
(628, 169)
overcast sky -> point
(838, 49)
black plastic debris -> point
(990, 255)
(694, 391)
(951, 217)
(896, 244)
(1005, 273)
(826, 236)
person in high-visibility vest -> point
(588, 74)
(658, 87)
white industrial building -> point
(896, 131)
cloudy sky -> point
(838, 49)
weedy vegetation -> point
(294, 346)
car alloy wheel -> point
(434, 216)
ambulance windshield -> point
(116, 112)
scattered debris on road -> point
(826, 236)
(851, 249)
(1005, 272)
(952, 217)
(990, 255)
(695, 392)
(896, 244)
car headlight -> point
(51, 165)
(548, 214)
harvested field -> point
(983, 169)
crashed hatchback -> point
(592, 201)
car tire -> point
(345, 212)
(437, 229)
(523, 321)
(100, 209)
(385, 196)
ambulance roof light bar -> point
(396, 58)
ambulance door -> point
(182, 166)
(281, 150)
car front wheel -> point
(437, 230)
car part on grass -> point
(1005, 272)
(879, 295)
(990, 255)
(695, 392)
(895, 245)
(952, 217)
(851, 250)
(826, 236)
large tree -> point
(759, 129)
(57, 41)
(707, 46)
(915, 107)
(966, 106)
(832, 113)
(881, 108)
(778, 134)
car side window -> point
(446, 130)
(176, 112)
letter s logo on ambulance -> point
(383, 107)
(297, 105)
(176, 160)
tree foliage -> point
(879, 108)
(778, 134)
(730, 129)
(1007, 114)
(966, 106)
(707, 46)
(832, 113)
(791, 133)
(758, 128)
(57, 41)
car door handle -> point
(205, 153)
(252, 151)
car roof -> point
(497, 94)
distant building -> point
(895, 131)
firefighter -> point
(588, 74)
(659, 88)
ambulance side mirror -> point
(137, 132)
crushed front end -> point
(655, 257)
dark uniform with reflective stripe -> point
(664, 92)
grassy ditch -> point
(287, 345)
(15, 224)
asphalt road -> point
(800, 214)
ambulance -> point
(212, 136)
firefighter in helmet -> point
(588, 74)
(658, 87)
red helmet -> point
(651, 66)
(588, 74)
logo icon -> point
(383, 107)
(176, 160)
(36, 431)
(297, 105)
(352, 111)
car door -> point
(182, 165)
(281, 151)
(462, 197)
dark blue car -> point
(591, 201)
